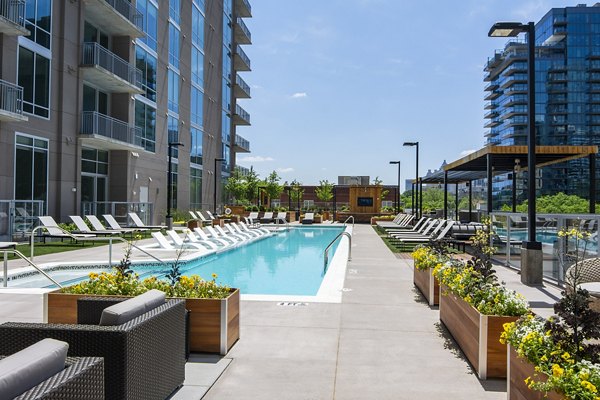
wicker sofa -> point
(82, 378)
(143, 358)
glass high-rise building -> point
(92, 92)
(567, 109)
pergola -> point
(497, 160)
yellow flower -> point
(557, 370)
(214, 275)
(589, 386)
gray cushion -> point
(129, 309)
(31, 366)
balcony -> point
(490, 105)
(491, 114)
(243, 9)
(12, 17)
(241, 62)
(242, 170)
(109, 133)
(11, 102)
(115, 17)
(109, 71)
(512, 80)
(492, 123)
(241, 90)
(494, 94)
(491, 86)
(516, 99)
(241, 32)
(241, 145)
(240, 117)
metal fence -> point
(95, 123)
(18, 217)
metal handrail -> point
(23, 257)
(352, 216)
(325, 254)
(92, 239)
(287, 224)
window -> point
(225, 127)
(196, 149)
(196, 106)
(34, 78)
(227, 28)
(174, 170)
(174, 46)
(173, 129)
(95, 100)
(147, 64)
(226, 153)
(197, 66)
(197, 27)
(173, 91)
(91, 34)
(226, 63)
(227, 7)
(38, 17)
(149, 12)
(174, 8)
(145, 119)
(196, 188)
(226, 95)
(31, 168)
(94, 161)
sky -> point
(339, 85)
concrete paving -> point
(382, 342)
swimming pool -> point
(288, 263)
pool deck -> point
(381, 342)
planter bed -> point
(477, 334)
(214, 323)
(519, 370)
(427, 284)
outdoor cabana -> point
(497, 160)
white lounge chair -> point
(214, 234)
(192, 237)
(203, 236)
(53, 230)
(252, 219)
(83, 228)
(230, 228)
(246, 228)
(181, 244)
(281, 217)
(267, 217)
(138, 223)
(98, 227)
(223, 233)
(309, 218)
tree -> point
(433, 199)
(559, 203)
(272, 187)
(324, 191)
(252, 183)
(236, 187)
(296, 191)
(378, 182)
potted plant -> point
(558, 358)
(214, 309)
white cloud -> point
(466, 152)
(285, 170)
(255, 159)
(299, 95)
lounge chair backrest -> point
(445, 231)
(112, 222)
(221, 231)
(51, 226)
(424, 225)
(96, 224)
(80, 223)
(136, 220)
(201, 233)
(212, 232)
(438, 227)
(229, 229)
(419, 223)
(193, 214)
(268, 215)
(202, 217)
(398, 218)
(162, 241)
(210, 215)
(253, 215)
(281, 215)
(431, 225)
(175, 238)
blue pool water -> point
(290, 263)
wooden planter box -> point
(428, 285)
(238, 210)
(214, 323)
(477, 334)
(519, 370)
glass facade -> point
(147, 63)
(34, 78)
(31, 168)
(149, 11)
(145, 119)
(196, 146)
(195, 189)
(567, 98)
(38, 20)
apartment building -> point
(93, 92)
(567, 109)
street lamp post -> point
(215, 188)
(169, 217)
(398, 192)
(531, 254)
(416, 144)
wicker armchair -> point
(589, 272)
(83, 378)
(144, 358)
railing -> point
(95, 54)
(241, 142)
(326, 253)
(244, 28)
(348, 219)
(243, 56)
(14, 11)
(94, 123)
(242, 170)
(30, 262)
(242, 113)
(242, 84)
(511, 229)
(18, 217)
(11, 97)
(128, 10)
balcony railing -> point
(94, 123)
(242, 145)
(243, 35)
(244, 88)
(244, 65)
(243, 9)
(243, 118)
(128, 10)
(12, 14)
(115, 17)
(242, 170)
(11, 101)
(95, 54)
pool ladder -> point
(23, 257)
(326, 254)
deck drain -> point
(346, 289)
(292, 304)
(353, 271)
